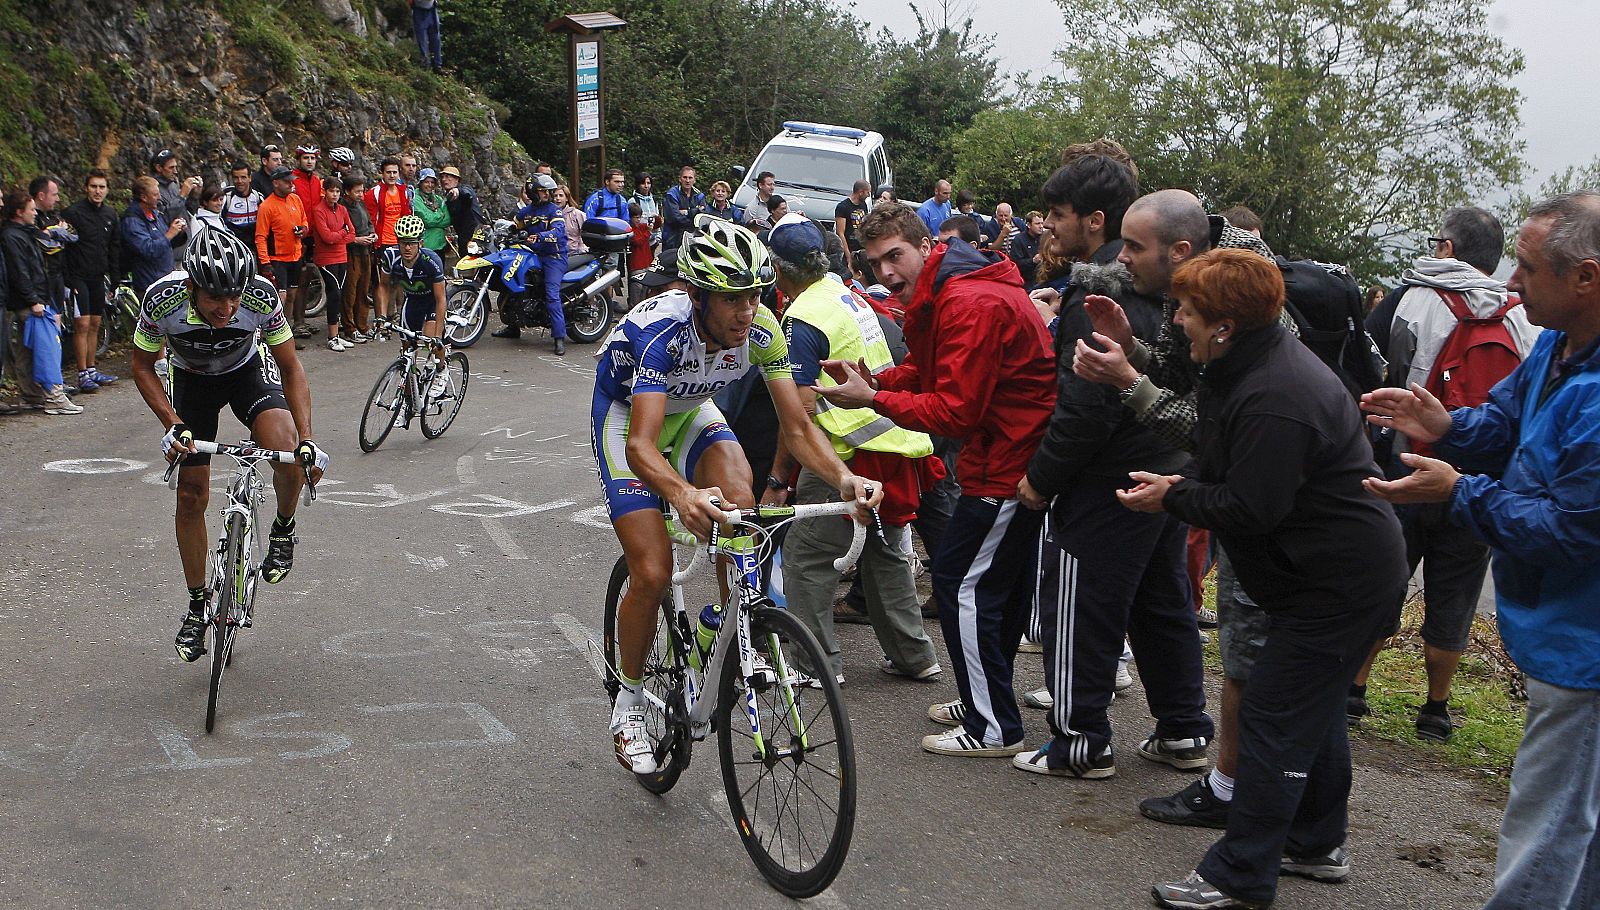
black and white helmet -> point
(342, 155)
(219, 263)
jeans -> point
(1549, 844)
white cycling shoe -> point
(634, 749)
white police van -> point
(815, 164)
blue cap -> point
(425, 173)
(795, 237)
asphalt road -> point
(415, 720)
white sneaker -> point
(1039, 698)
(1124, 678)
(439, 386)
(358, 337)
(337, 344)
(950, 713)
(811, 682)
(632, 740)
(63, 408)
(959, 742)
(926, 673)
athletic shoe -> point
(926, 673)
(86, 381)
(359, 337)
(1432, 727)
(632, 740)
(1183, 754)
(1195, 893)
(336, 344)
(62, 408)
(1037, 761)
(280, 557)
(1029, 646)
(959, 742)
(191, 640)
(950, 713)
(440, 385)
(812, 682)
(845, 613)
(1333, 866)
(1355, 708)
(1207, 617)
(102, 378)
(1039, 698)
(1195, 805)
(1124, 678)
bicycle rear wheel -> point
(386, 401)
(230, 585)
(449, 404)
(665, 675)
(792, 788)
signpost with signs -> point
(585, 57)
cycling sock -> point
(1221, 786)
(629, 695)
(1440, 707)
(283, 524)
(197, 599)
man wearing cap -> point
(827, 321)
(661, 277)
(175, 196)
(465, 215)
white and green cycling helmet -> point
(408, 229)
(724, 257)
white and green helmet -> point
(724, 257)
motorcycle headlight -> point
(474, 248)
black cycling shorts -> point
(417, 312)
(286, 275)
(250, 390)
(86, 295)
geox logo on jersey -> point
(214, 346)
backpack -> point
(1478, 353)
(1325, 303)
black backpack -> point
(1325, 303)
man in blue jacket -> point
(149, 235)
(547, 235)
(679, 207)
(608, 201)
(1540, 431)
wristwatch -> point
(774, 483)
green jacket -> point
(434, 219)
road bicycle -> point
(233, 568)
(783, 736)
(403, 391)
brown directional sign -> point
(585, 57)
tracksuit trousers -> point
(983, 582)
(1291, 791)
(1119, 572)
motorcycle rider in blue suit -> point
(547, 236)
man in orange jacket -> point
(280, 225)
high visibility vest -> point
(853, 334)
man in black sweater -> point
(91, 267)
(1119, 572)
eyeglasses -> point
(1436, 241)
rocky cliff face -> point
(107, 84)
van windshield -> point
(812, 169)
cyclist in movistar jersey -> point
(656, 376)
(208, 314)
(420, 275)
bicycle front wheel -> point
(664, 677)
(385, 405)
(439, 413)
(230, 585)
(788, 759)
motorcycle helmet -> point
(408, 229)
(342, 155)
(538, 182)
(724, 257)
(219, 263)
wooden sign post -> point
(585, 69)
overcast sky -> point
(1560, 122)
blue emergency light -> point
(823, 129)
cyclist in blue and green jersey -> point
(209, 315)
(653, 389)
(419, 273)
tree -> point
(1006, 154)
(930, 90)
(1515, 210)
(1346, 124)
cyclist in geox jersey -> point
(209, 314)
(656, 376)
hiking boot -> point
(509, 331)
(1183, 754)
(1434, 726)
(1038, 762)
(1333, 866)
(1355, 708)
(280, 556)
(191, 640)
(561, 347)
(846, 614)
(1195, 805)
(1195, 893)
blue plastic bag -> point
(42, 336)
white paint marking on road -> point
(502, 539)
(465, 471)
(344, 644)
(583, 641)
(494, 732)
(827, 899)
(497, 507)
(332, 743)
(550, 438)
(426, 610)
(507, 431)
(382, 496)
(594, 517)
(180, 754)
(95, 466)
(431, 563)
(83, 751)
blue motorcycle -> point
(500, 261)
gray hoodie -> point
(1423, 320)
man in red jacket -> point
(308, 186)
(980, 370)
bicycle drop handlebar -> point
(858, 538)
(241, 452)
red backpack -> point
(1479, 353)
